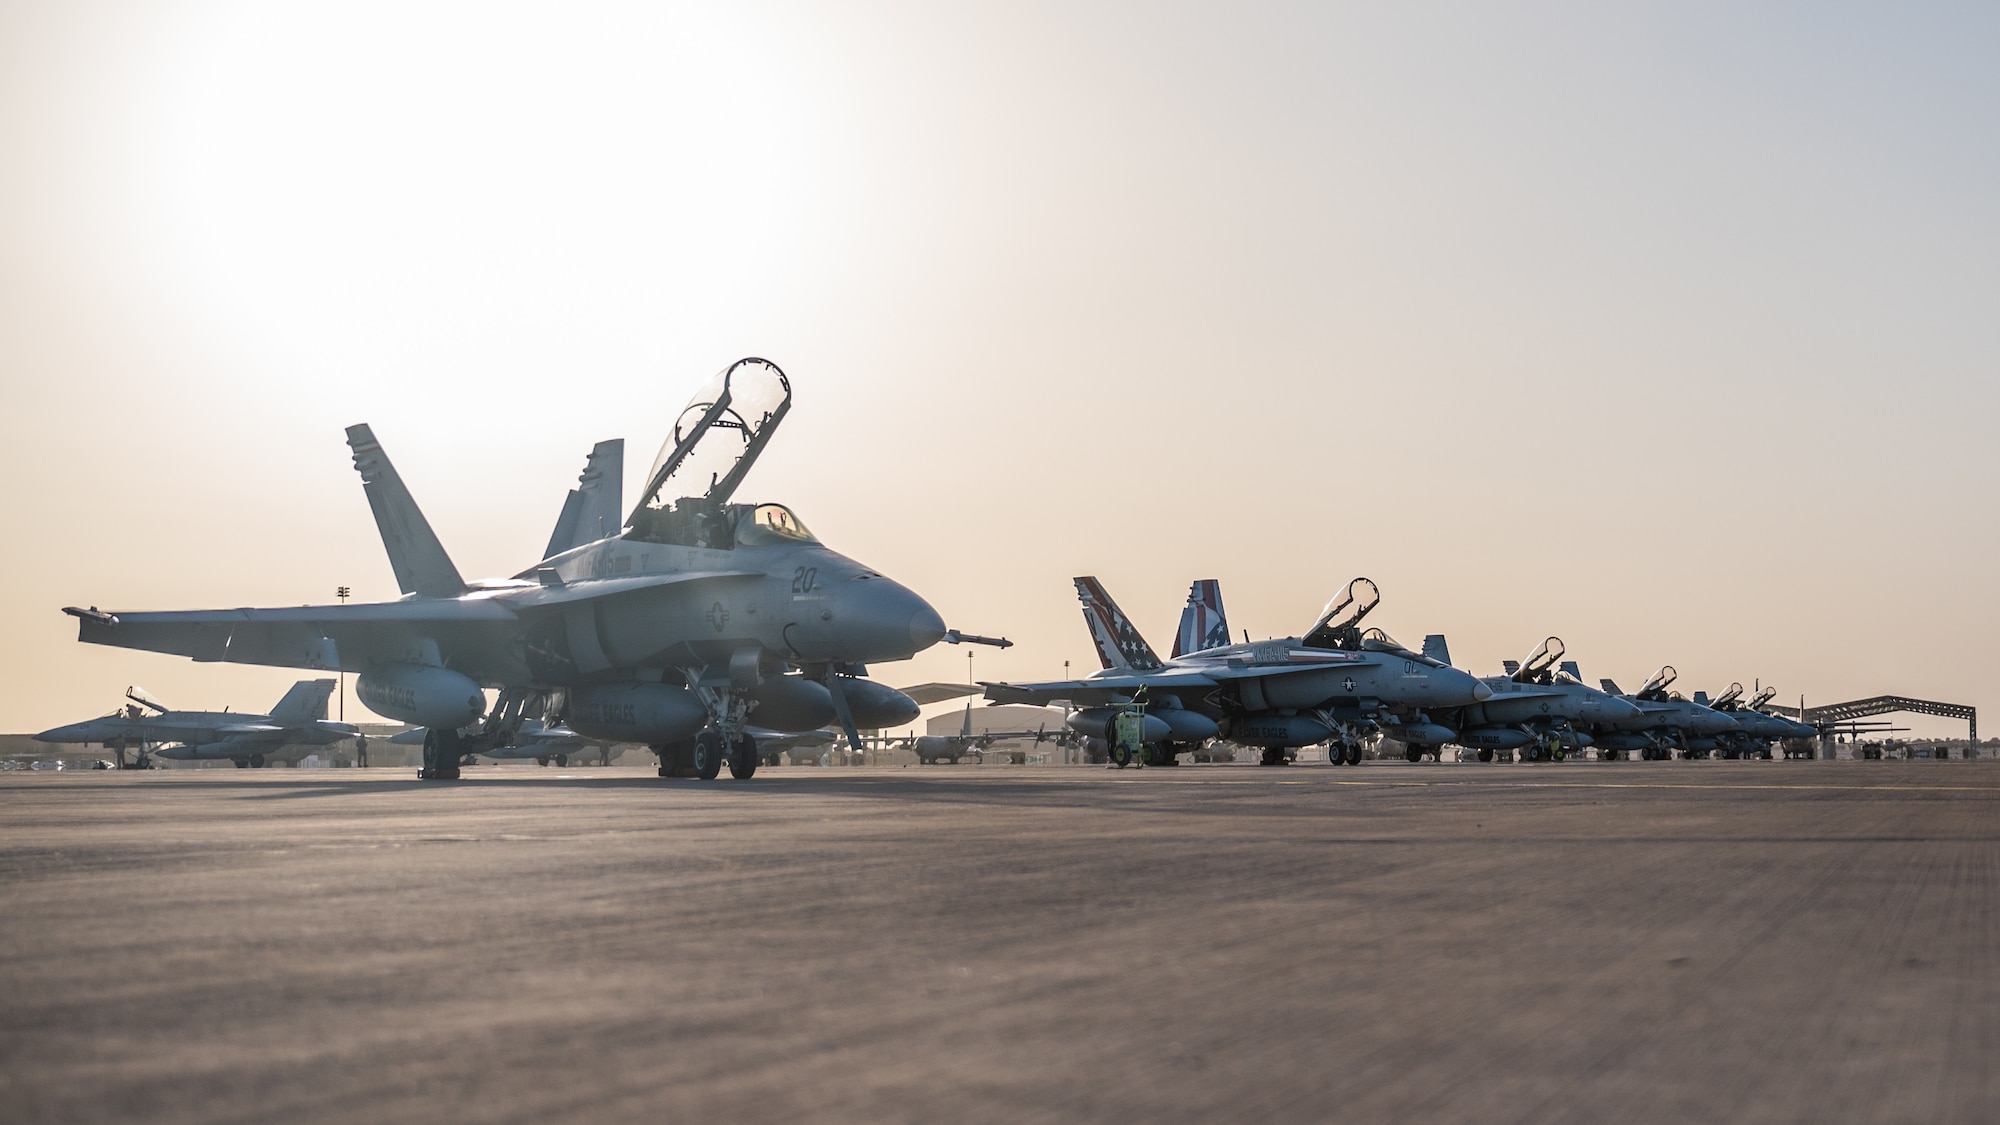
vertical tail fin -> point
(1436, 649)
(595, 508)
(305, 702)
(1570, 668)
(1610, 686)
(1203, 625)
(1119, 645)
(419, 560)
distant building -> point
(1007, 716)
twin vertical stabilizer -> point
(419, 560)
(1203, 625)
(596, 506)
(305, 702)
(1119, 645)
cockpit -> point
(715, 441)
(1538, 668)
(1339, 624)
(1656, 685)
(765, 525)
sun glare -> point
(489, 192)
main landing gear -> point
(705, 756)
(441, 755)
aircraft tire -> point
(541, 761)
(1413, 755)
(708, 754)
(1354, 753)
(242, 763)
(743, 758)
(1484, 755)
(562, 761)
(256, 761)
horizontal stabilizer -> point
(419, 560)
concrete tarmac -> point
(1700, 941)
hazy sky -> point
(1670, 329)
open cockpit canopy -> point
(1657, 683)
(1727, 700)
(714, 443)
(1762, 697)
(1536, 669)
(1339, 624)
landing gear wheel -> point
(1413, 755)
(541, 761)
(1484, 755)
(1273, 756)
(743, 758)
(1353, 754)
(440, 756)
(708, 754)
(562, 761)
(256, 761)
(242, 763)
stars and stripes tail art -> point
(1203, 625)
(1119, 645)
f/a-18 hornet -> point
(157, 731)
(1666, 722)
(1538, 708)
(697, 618)
(1334, 682)
(1757, 729)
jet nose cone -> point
(1619, 711)
(926, 627)
(1480, 692)
(58, 734)
(879, 620)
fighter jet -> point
(1666, 723)
(1757, 730)
(674, 631)
(1332, 683)
(156, 731)
(1538, 709)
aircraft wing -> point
(299, 636)
(926, 694)
(249, 728)
(1099, 689)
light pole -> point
(342, 593)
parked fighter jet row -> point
(718, 633)
(1341, 685)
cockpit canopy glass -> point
(1535, 669)
(719, 435)
(1339, 623)
(768, 524)
(1659, 680)
(714, 443)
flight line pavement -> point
(1756, 941)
